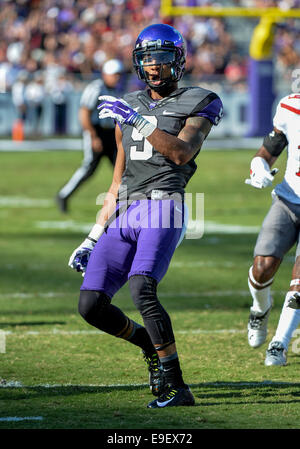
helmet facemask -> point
(158, 65)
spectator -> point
(18, 94)
(59, 93)
(77, 37)
(34, 96)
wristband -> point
(143, 126)
(96, 232)
(295, 282)
(259, 163)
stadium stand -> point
(67, 41)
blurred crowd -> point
(56, 46)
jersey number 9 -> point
(147, 148)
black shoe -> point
(62, 204)
(156, 374)
(172, 397)
(294, 301)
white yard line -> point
(210, 227)
(16, 201)
(174, 264)
(21, 295)
(68, 225)
(177, 294)
(95, 332)
(20, 418)
(75, 144)
(203, 263)
(17, 384)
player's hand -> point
(80, 256)
(97, 145)
(260, 174)
(117, 109)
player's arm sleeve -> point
(275, 142)
(279, 120)
(89, 97)
(210, 108)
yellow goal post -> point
(167, 8)
(260, 76)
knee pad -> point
(155, 317)
(143, 292)
(92, 304)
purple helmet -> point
(159, 45)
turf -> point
(57, 367)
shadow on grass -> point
(31, 323)
(221, 392)
(248, 392)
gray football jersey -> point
(146, 168)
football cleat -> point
(173, 397)
(276, 354)
(294, 301)
(257, 328)
(156, 374)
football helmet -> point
(159, 55)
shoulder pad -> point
(292, 101)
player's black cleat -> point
(156, 374)
(62, 204)
(294, 301)
(172, 397)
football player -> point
(159, 133)
(280, 231)
(98, 138)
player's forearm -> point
(109, 204)
(182, 148)
(85, 121)
(264, 153)
(179, 151)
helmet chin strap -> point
(164, 82)
(160, 86)
(165, 89)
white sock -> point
(261, 298)
(288, 322)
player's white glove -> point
(80, 256)
(260, 174)
(122, 112)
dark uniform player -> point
(98, 138)
(159, 133)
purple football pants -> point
(140, 241)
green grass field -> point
(58, 368)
